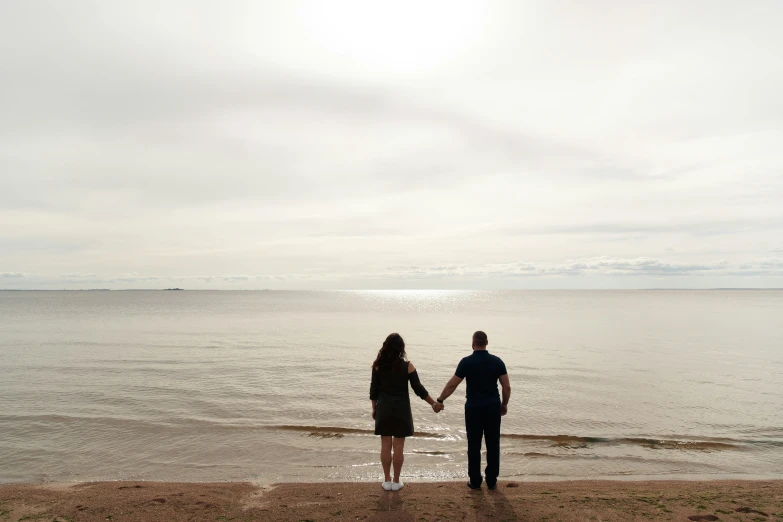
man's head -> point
(480, 341)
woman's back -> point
(393, 380)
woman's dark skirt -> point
(393, 416)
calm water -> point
(273, 386)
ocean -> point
(272, 386)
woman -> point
(391, 405)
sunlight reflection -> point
(417, 299)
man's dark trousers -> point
(482, 419)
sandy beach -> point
(540, 501)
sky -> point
(354, 144)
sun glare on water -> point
(417, 299)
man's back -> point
(482, 370)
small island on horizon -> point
(172, 289)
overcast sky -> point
(405, 144)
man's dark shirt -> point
(482, 371)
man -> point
(483, 407)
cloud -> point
(269, 144)
(604, 266)
(711, 227)
(132, 277)
(765, 267)
(236, 278)
(638, 266)
(772, 263)
(569, 272)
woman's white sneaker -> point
(396, 486)
(387, 485)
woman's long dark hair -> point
(393, 350)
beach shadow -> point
(391, 506)
(492, 505)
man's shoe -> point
(471, 486)
(493, 487)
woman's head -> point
(393, 350)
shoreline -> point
(573, 500)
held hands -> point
(437, 407)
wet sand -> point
(540, 501)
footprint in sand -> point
(703, 517)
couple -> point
(391, 406)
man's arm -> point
(450, 387)
(506, 386)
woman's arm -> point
(418, 388)
(375, 386)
